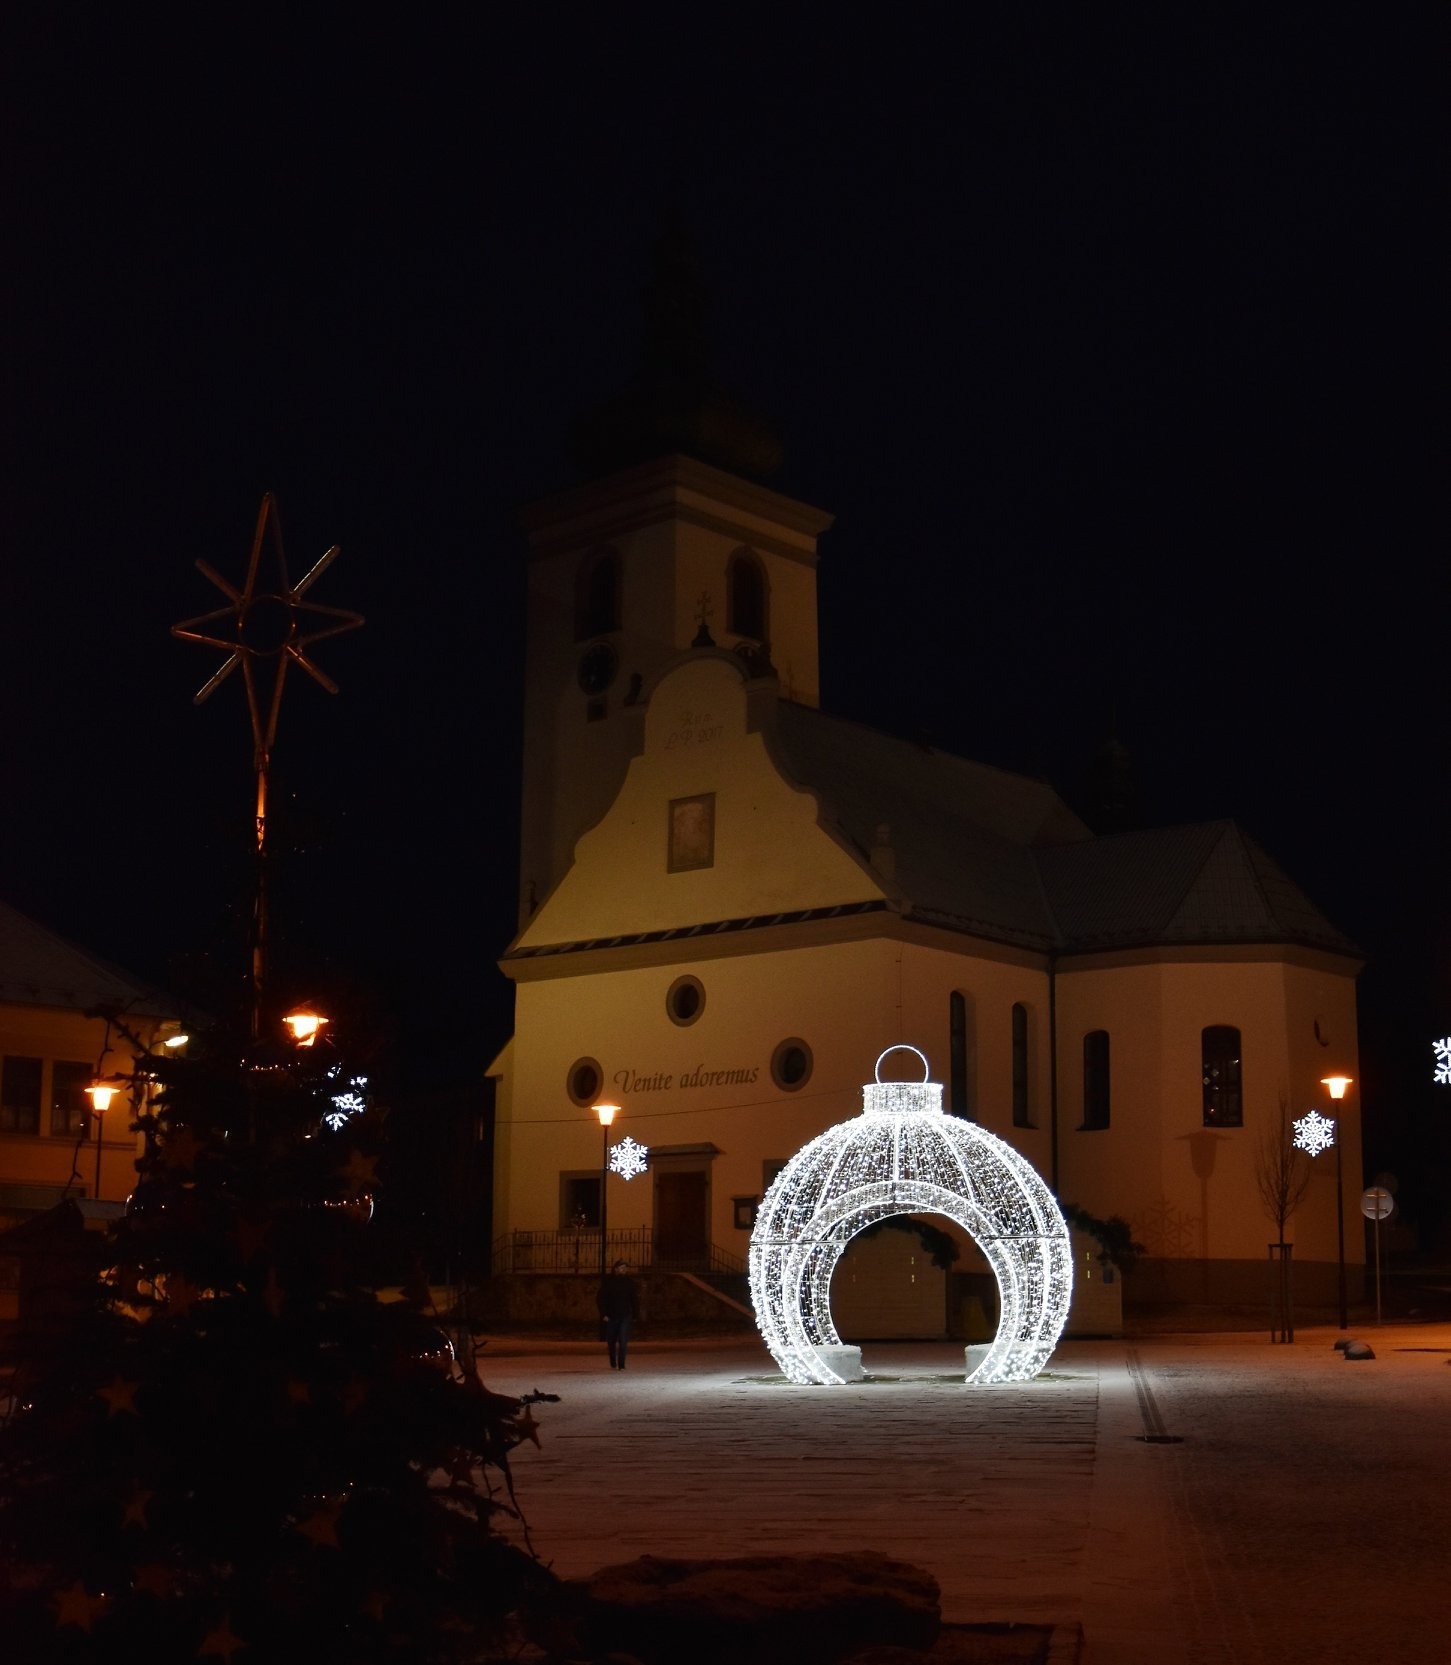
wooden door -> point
(682, 1236)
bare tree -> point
(1282, 1172)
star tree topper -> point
(267, 623)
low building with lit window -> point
(52, 1046)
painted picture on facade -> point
(692, 832)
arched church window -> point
(1095, 1079)
(959, 1055)
(1022, 1112)
(746, 596)
(597, 595)
(1219, 1053)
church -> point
(731, 902)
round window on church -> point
(791, 1065)
(584, 1081)
(685, 1000)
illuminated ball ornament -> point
(904, 1155)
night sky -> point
(1115, 343)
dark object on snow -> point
(770, 1609)
(1359, 1350)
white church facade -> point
(732, 902)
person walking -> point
(619, 1304)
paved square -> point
(1302, 1511)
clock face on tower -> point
(597, 668)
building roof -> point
(39, 968)
(1000, 855)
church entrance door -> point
(682, 1236)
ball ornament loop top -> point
(902, 1046)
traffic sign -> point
(1377, 1203)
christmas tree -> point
(236, 1449)
(232, 1447)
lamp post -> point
(100, 1094)
(606, 1114)
(304, 1023)
(1336, 1085)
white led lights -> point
(903, 1155)
(1314, 1133)
(627, 1159)
(1442, 1050)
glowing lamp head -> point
(100, 1094)
(606, 1113)
(1336, 1085)
(174, 1043)
(304, 1024)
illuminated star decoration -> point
(903, 1155)
(1314, 1133)
(1442, 1050)
(627, 1159)
(267, 624)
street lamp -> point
(606, 1114)
(1336, 1085)
(100, 1094)
(305, 1023)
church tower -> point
(673, 543)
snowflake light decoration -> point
(627, 1159)
(1442, 1050)
(1314, 1133)
(347, 1104)
(903, 1155)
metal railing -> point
(578, 1252)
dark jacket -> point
(618, 1297)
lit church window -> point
(1223, 1094)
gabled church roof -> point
(1000, 855)
(1204, 883)
(960, 834)
(39, 968)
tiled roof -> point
(38, 968)
(961, 834)
(999, 855)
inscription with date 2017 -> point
(695, 728)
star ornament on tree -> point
(1314, 1133)
(260, 624)
(627, 1159)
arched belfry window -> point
(1219, 1055)
(746, 597)
(959, 1056)
(1022, 1109)
(1095, 1079)
(597, 595)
